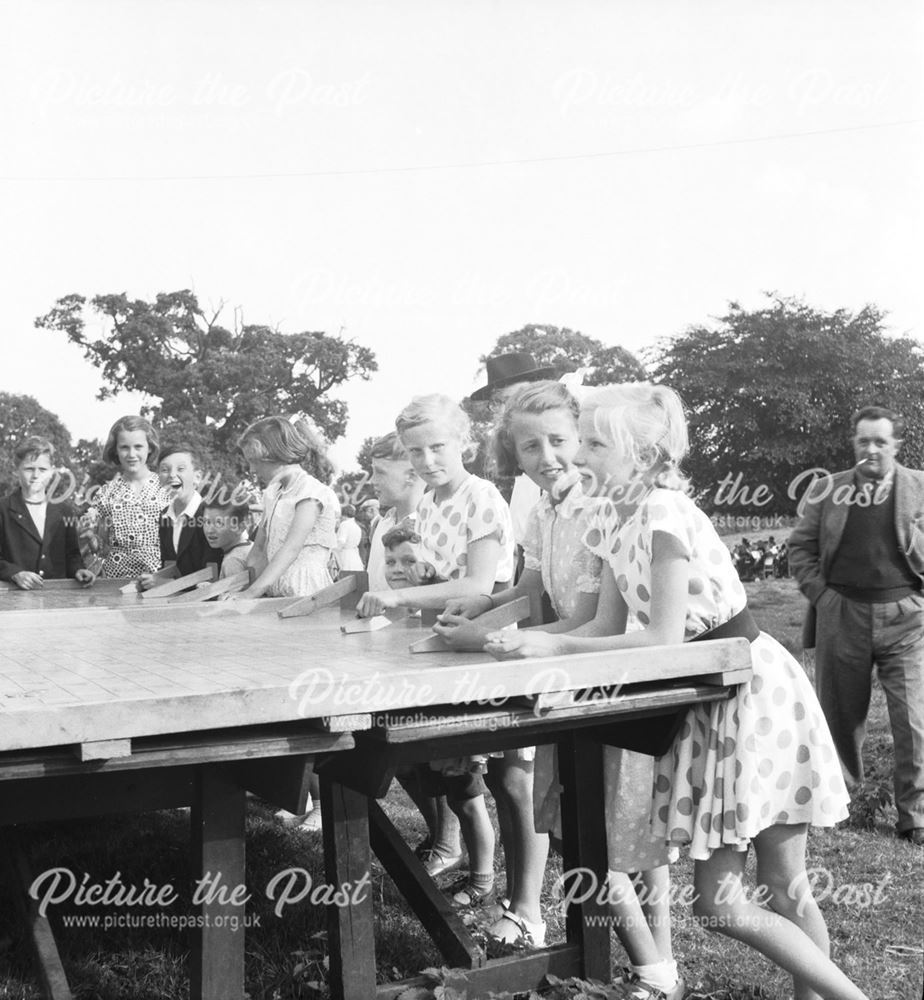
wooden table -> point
(122, 705)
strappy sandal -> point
(531, 935)
(465, 895)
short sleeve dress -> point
(476, 510)
(554, 546)
(128, 520)
(309, 570)
(737, 767)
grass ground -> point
(871, 883)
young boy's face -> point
(221, 530)
(34, 474)
(390, 479)
(179, 475)
(398, 561)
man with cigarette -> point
(858, 554)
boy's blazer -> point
(815, 539)
(193, 551)
(55, 554)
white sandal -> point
(532, 935)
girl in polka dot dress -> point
(125, 513)
(537, 436)
(467, 537)
(755, 770)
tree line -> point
(769, 391)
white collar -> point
(189, 511)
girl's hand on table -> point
(467, 607)
(460, 633)
(26, 580)
(85, 577)
(374, 602)
(145, 581)
(510, 644)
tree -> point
(771, 392)
(565, 349)
(364, 455)
(20, 417)
(206, 382)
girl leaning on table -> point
(467, 539)
(124, 516)
(538, 435)
(756, 770)
(296, 536)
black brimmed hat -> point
(508, 369)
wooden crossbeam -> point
(41, 936)
(322, 598)
(206, 575)
(230, 584)
(506, 614)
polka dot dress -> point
(762, 758)
(475, 511)
(131, 519)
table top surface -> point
(89, 665)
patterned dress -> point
(309, 570)
(737, 767)
(476, 510)
(126, 523)
(554, 546)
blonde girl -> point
(297, 532)
(756, 770)
(538, 436)
(467, 542)
(124, 516)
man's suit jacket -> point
(55, 554)
(193, 551)
(815, 539)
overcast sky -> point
(429, 176)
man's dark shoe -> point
(914, 836)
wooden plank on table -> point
(230, 584)
(359, 625)
(324, 598)
(348, 861)
(41, 936)
(506, 614)
(217, 825)
(431, 906)
(105, 749)
(205, 575)
(169, 572)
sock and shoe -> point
(435, 860)
(308, 820)
(658, 981)
(471, 891)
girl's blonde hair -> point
(130, 423)
(436, 408)
(530, 397)
(289, 441)
(647, 422)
